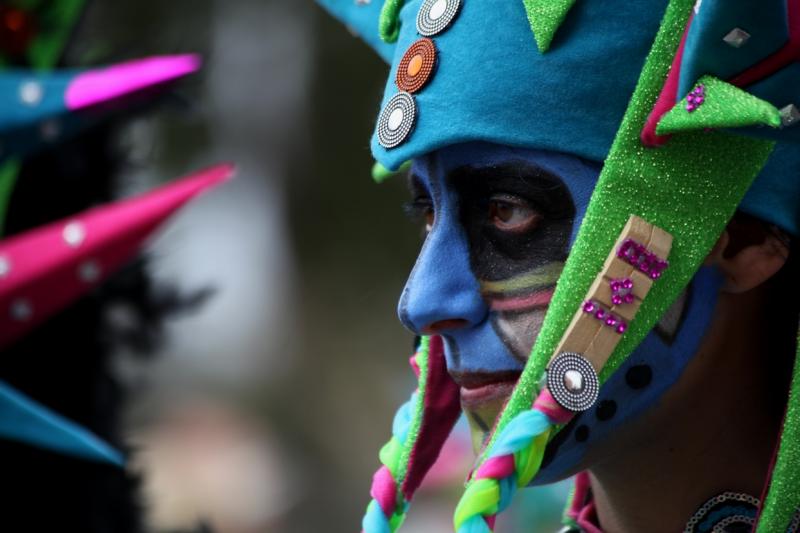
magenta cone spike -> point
(45, 269)
(101, 85)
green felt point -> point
(725, 106)
(380, 173)
(545, 17)
(389, 22)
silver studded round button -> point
(436, 15)
(397, 120)
(573, 382)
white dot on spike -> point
(31, 93)
(21, 310)
(395, 119)
(74, 234)
(5, 266)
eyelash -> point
(418, 208)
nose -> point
(442, 294)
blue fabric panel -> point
(775, 195)
(492, 84)
(361, 19)
(705, 51)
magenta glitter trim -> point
(609, 319)
(695, 98)
(643, 260)
(621, 291)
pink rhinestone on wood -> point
(695, 98)
(642, 259)
(609, 319)
(621, 291)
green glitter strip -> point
(389, 21)
(545, 17)
(783, 497)
(725, 106)
(690, 188)
(419, 409)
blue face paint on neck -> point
(504, 221)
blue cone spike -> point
(26, 421)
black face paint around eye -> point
(516, 216)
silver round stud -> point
(89, 271)
(74, 234)
(5, 266)
(436, 15)
(31, 93)
(21, 310)
(573, 382)
(397, 120)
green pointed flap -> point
(723, 106)
(389, 23)
(380, 173)
(545, 17)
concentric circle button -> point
(436, 15)
(396, 120)
(416, 66)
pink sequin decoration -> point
(621, 291)
(695, 98)
(609, 319)
(642, 259)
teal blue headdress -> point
(486, 80)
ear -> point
(745, 261)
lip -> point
(479, 389)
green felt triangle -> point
(380, 173)
(545, 17)
(725, 106)
(389, 23)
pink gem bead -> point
(627, 283)
(628, 298)
(600, 314)
(616, 299)
(611, 321)
(588, 307)
(622, 328)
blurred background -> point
(266, 407)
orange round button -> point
(416, 66)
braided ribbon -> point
(511, 463)
(419, 430)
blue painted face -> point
(500, 222)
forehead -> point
(580, 175)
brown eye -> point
(512, 213)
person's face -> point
(499, 224)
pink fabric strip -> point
(383, 490)
(546, 404)
(98, 86)
(490, 520)
(582, 486)
(587, 519)
(441, 411)
(537, 299)
(414, 365)
(496, 468)
(667, 99)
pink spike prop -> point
(101, 85)
(47, 268)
